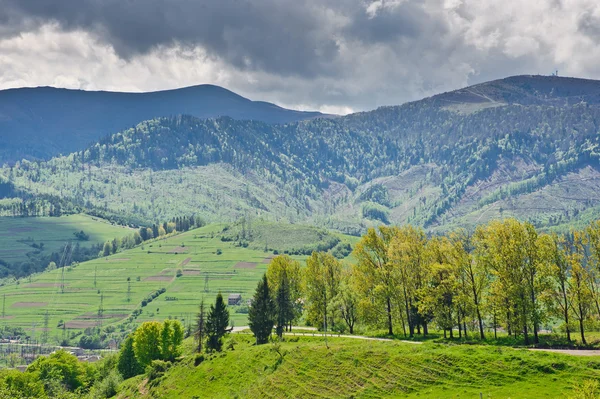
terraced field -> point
(119, 284)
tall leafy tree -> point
(147, 342)
(322, 278)
(379, 280)
(261, 315)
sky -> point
(335, 56)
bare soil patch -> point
(167, 271)
(191, 272)
(245, 265)
(159, 278)
(267, 260)
(177, 250)
(29, 304)
(6, 317)
(186, 261)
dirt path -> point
(572, 352)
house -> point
(234, 299)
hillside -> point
(523, 146)
(38, 123)
(189, 266)
(27, 243)
(353, 368)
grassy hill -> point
(206, 264)
(23, 235)
(44, 122)
(368, 369)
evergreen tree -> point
(261, 314)
(128, 364)
(200, 327)
(216, 323)
(283, 303)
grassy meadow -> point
(19, 233)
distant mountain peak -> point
(41, 122)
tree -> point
(407, 258)
(554, 248)
(347, 300)
(438, 295)
(476, 276)
(106, 250)
(261, 315)
(216, 324)
(200, 328)
(128, 364)
(277, 267)
(376, 274)
(322, 277)
(283, 304)
(147, 342)
(579, 292)
(166, 337)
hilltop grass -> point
(368, 369)
(19, 233)
(200, 255)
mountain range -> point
(38, 123)
(524, 146)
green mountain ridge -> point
(523, 146)
(42, 122)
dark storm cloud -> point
(282, 36)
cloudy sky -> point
(333, 55)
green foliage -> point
(128, 364)
(216, 324)
(64, 369)
(261, 315)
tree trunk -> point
(425, 328)
(566, 309)
(389, 315)
(582, 333)
(481, 335)
(411, 328)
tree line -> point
(505, 276)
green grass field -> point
(149, 267)
(369, 369)
(19, 233)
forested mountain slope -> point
(522, 146)
(44, 122)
